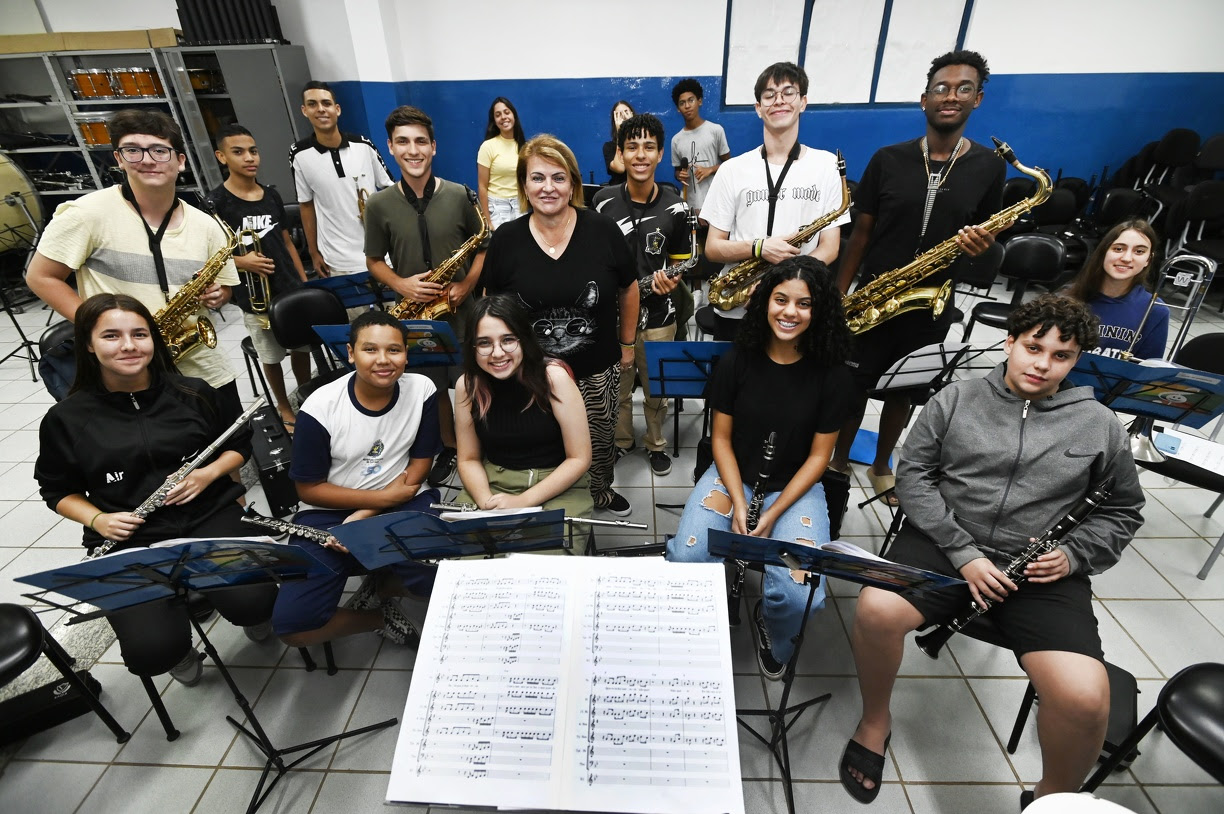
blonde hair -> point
(549, 148)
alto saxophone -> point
(672, 272)
(183, 337)
(733, 287)
(435, 309)
(895, 292)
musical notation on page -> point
(546, 682)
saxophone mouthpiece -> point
(841, 164)
(1004, 151)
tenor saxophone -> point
(733, 287)
(173, 320)
(435, 309)
(895, 292)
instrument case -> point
(272, 449)
(44, 707)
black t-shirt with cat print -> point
(573, 299)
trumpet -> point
(259, 291)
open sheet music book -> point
(573, 683)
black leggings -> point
(155, 636)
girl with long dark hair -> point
(787, 375)
(614, 162)
(519, 418)
(129, 422)
(497, 163)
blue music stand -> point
(680, 370)
(353, 290)
(1174, 394)
(387, 539)
(430, 344)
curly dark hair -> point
(827, 339)
(640, 126)
(686, 86)
(1073, 319)
(971, 58)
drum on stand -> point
(17, 196)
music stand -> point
(397, 537)
(25, 346)
(138, 576)
(797, 556)
(353, 290)
(677, 370)
(918, 376)
(430, 343)
(1179, 395)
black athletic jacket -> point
(117, 448)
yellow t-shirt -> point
(101, 236)
(500, 155)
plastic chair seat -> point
(1191, 713)
(21, 640)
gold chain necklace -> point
(946, 171)
(552, 247)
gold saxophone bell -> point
(259, 290)
(175, 320)
(362, 196)
(444, 273)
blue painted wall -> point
(1073, 122)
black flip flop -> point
(867, 763)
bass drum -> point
(15, 188)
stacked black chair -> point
(293, 316)
(23, 639)
(1190, 712)
(1027, 259)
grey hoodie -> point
(983, 470)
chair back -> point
(1211, 156)
(1205, 352)
(295, 313)
(1191, 712)
(1017, 189)
(1057, 210)
(1117, 204)
(1034, 258)
(1078, 187)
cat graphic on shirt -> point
(567, 329)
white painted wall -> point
(108, 15)
(21, 17)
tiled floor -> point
(952, 715)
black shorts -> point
(874, 352)
(1038, 616)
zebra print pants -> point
(600, 395)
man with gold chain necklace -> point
(913, 196)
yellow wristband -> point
(95, 517)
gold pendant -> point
(552, 249)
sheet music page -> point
(576, 683)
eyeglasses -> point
(158, 152)
(546, 329)
(788, 94)
(508, 344)
(965, 90)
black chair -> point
(1031, 258)
(1176, 148)
(1204, 213)
(56, 359)
(1204, 353)
(293, 316)
(1190, 711)
(254, 369)
(23, 639)
(1117, 204)
(1015, 190)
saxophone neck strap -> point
(155, 238)
(776, 189)
(420, 205)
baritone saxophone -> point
(733, 287)
(895, 292)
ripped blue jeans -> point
(709, 507)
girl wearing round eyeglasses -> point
(519, 418)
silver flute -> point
(471, 507)
(320, 536)
(158, 499)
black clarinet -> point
(931, 643)
(755, 505)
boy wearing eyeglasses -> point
(764, 196)
(913, 196)
(138, 239)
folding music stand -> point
(1168, 393)
(919, 375)
(678, 370)
(415, 536)
(430, 343)
(353, 290)
(138, 576)
(797, 556)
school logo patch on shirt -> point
(373, 464)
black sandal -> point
(867, 763)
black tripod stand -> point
(26, 346)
